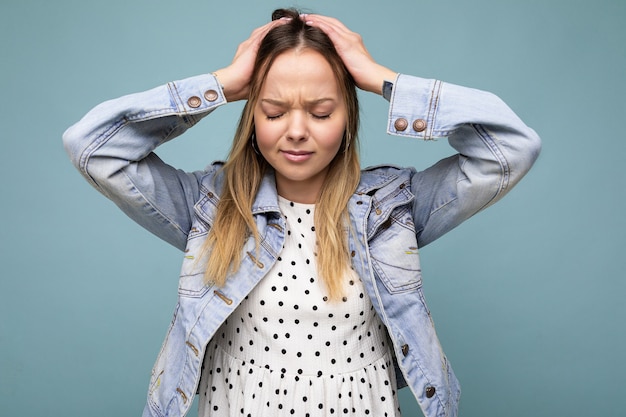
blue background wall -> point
(528, 297)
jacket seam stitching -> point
(154, 207)
(505, 169)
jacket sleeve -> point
(495, 150)
(112, 147)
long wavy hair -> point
(245, 168)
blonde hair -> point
(244, 169)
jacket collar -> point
(373, 179)
(267, 197)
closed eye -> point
(321, 116)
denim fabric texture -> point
(393, 212)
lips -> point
(297, 155)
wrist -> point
(227, 82)
(384, 74)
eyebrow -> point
(308, 102)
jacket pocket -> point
(191, 282)
(394, 253)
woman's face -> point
(300, 119)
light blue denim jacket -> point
(393, 212)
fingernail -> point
(285, 18)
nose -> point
(297, 129)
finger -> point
(342, 37)
(327, 21)
(258, 34)
(328, 25)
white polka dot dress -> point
(287, 350)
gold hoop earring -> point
(255, 146)
(347, 142)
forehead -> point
(301, 72)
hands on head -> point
(366, 72)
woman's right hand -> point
(235, 78)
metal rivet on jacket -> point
(401, 124)
(194, 102)
(210, 95)
(419, 125)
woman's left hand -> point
(367, 73)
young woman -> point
(300, 290)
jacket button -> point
(405, 349)
(419, 125)
(194, 102)
(210, 95)
(401, 124)
(430, 391)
